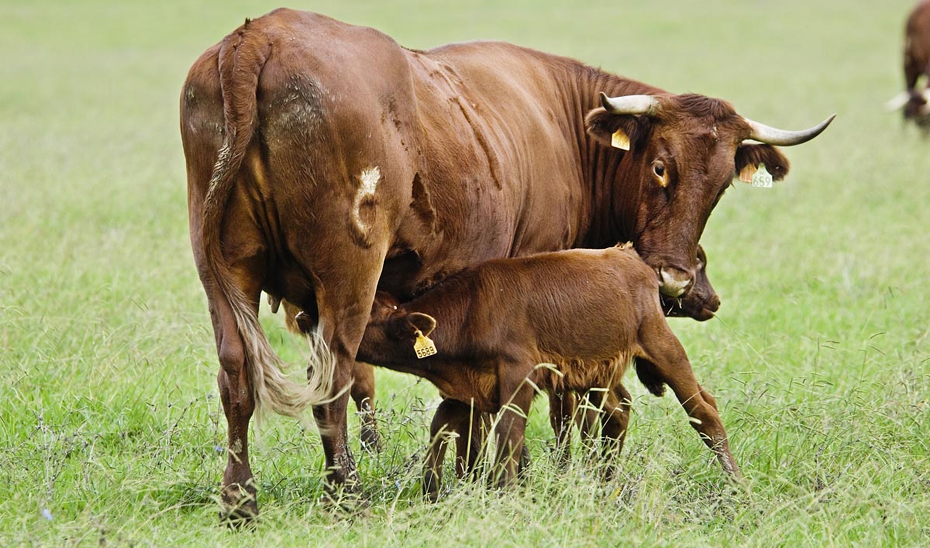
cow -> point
(324, 162)
(914, 99)
(585, 313)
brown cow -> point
(324, 161)
(587, 312)
(914, 99)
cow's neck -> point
(611, 189)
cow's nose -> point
(713, 303)
(674, 282)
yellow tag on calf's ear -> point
(745, 174)
(424, 346)
(620, 140)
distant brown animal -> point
(324, 162)
(914, 99)
(588, 312)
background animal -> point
(913, 100)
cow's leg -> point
(363, 381)
(615, 419)
(516, 395)
(670, 363)
(345, 292)
(562, 409)
(452, 419)
(363, 394)
(238, 489)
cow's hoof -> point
(241, 516)
(240, 506)
(343, 501)
(371, 439)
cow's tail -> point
(240, 62)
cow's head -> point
(914, 104)
(681, 154)
(701, 302)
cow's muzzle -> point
(674, 282)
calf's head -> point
(680, 153)
(391, 330)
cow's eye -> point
(659, 169)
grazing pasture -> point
(111, 431)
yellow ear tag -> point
(424, 346)
(758, 176)
(620, 140)
(762, 178)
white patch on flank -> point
(369, 183)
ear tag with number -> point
(762, 178)
(424, 346)
(620, 140)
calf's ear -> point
(750, 156)
(422, 322)
(405, 325)
(618, 131)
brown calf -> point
(700, 304)
(587, 312)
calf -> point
(700, 303)
(587, 312)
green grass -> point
(111, 432)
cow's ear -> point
(618, 131)
(424, 323)
(750, 156)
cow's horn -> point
(630, 104)
(898, 101)
(780, 137)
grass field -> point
(111, 432)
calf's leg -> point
(562, 407)
(363, 394)
(668, 361)
(452, 419)
(516, 395)
(615, 419)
